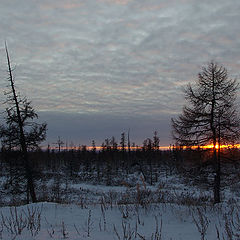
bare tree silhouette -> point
(20, 132)
(211, 116)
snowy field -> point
(106, 220)
(43, 221)
(171, 209)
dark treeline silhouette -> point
(108, 160)
(113, 163)
(103, 165)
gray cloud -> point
(115, 57)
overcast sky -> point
(96, 68)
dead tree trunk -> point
(28, 171)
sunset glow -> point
(162, 148)
(222, 146)
(210, 146)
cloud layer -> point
(115, 58)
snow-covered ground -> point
(45, 221)
(171, 209)
(107, 219)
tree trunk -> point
(29, 177)
(217, 176)
(22, 139)
(217, 179)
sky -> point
(96, 68)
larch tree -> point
(211, 115)
(20, 132)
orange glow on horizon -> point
(210, 146)
(138, 147)
(223, 146)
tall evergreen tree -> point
(211, 116)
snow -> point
(172, 209)
(103, 222)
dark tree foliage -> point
(20, 132)
(211, 116)
(34, 132)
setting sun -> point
(221, 146)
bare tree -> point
(156, 141)
(211, 116)
(123, 142)
(20, 132)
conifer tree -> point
(211, 115)
(20, 132)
